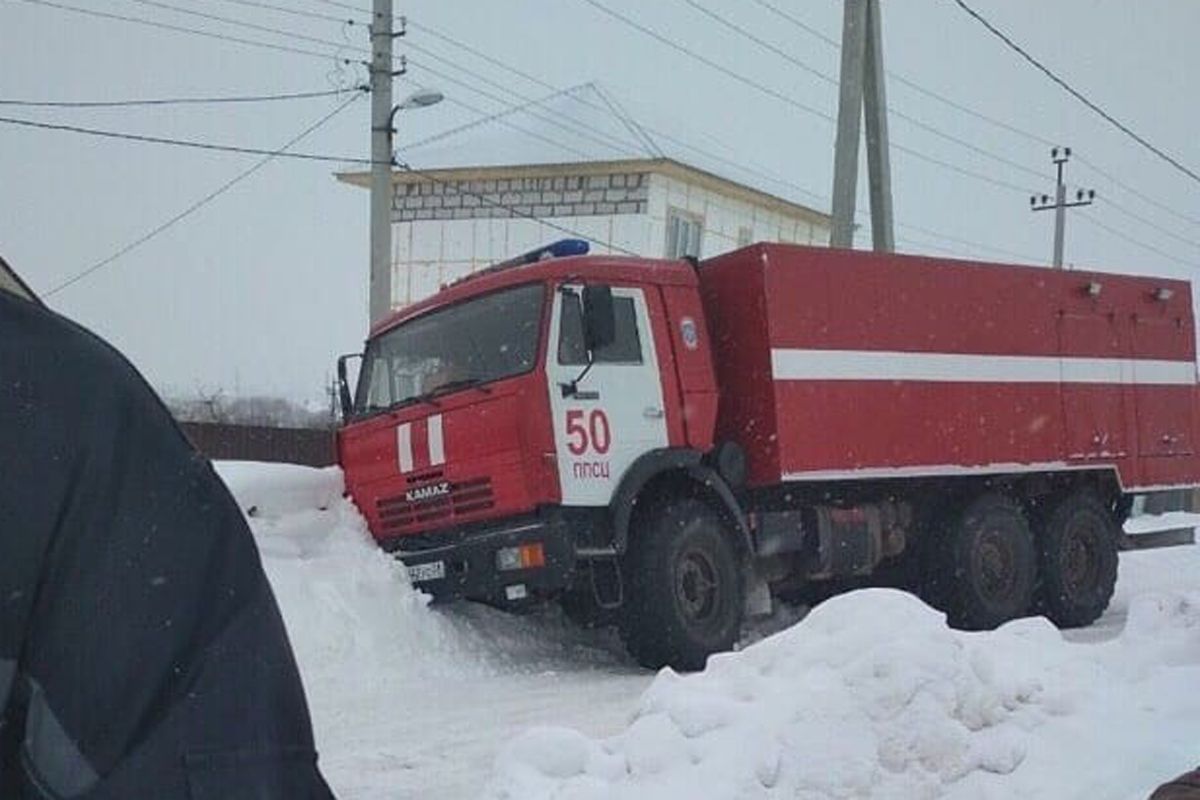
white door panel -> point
(617, 414)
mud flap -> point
(758, 595)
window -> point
(683, 234)
(745, 236)
(626, 348)
(476, 341)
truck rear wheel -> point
(1078, 558)
(685, 594)
(986, 564)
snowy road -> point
(410, 701)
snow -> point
(869, 695)
(408, 700)
(872, 695)
(1158, 522)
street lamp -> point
(418, 99)
(425, 97)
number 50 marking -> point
(595, 435)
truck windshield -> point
(470, 343)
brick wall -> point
(551, 196)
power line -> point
(1023, 257)
(292, 34)
(829, 40)
(463, 104)
(1151, 224)
(486, 118)
(739, 165)
(986, 118)
(806, 67)
(794, 103)
(1140, 195)
(345, 6)
(832, 81)
(190, 143)
(479, 54)
(276, 31)
(249, 25)
(1076, 93)
(620, 147)
(658, 37)
(196, 206)
(282, 153)
(293, 11)
(509, 68)
(573, 127)
(184, 29)
(170, 101)
(1137, 243)
(910, 83)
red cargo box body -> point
(840, 364)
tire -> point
(1077, 554)
(685, 595)
(984, 564)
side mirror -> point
(344, 385)
(599, 317)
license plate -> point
(434, 570)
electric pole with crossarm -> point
(1083, 197)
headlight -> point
(526, 556)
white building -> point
(450, 222)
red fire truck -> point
(667, 444)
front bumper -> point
(468, 559)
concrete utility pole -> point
(1060, 155)
(380, 291)
(862, 95)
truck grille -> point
(465, 498)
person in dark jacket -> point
(142, 654)
(1185, 787)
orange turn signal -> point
(532, 555)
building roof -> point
(660, 166)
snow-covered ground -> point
(870, 695)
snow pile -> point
(872, 695)
(277, 490)
(345, 602)
(407, 699)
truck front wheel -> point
(1078, 544)
(685, 594)
(986, 564)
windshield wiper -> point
(371, 411)
(429, 398)
(454, 386)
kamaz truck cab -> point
(503, 431)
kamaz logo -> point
(423, 493)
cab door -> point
(616, 412)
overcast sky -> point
(260, 290)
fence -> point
(221, 441)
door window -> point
(626, 347)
